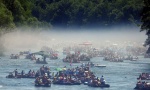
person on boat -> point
(16, 73)
(38, 80)
(98, 81)
(48, 73)
(37, 73)
(30, 72)
(22, 73)
(44, 58)
(46, 79)
(102, 80)
(33, 73)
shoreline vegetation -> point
(72, 13)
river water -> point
(120, 75)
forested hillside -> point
(68, 13)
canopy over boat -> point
(42, 53)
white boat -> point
(134, 59)
(98, 65)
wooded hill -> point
(68, 13)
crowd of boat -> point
(81, 74)
(78, 75)
(75, 54)
(66, 76)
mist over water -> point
(35, 40)
(122, 72)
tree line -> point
(145, 19)
(69, 13)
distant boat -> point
(41, 62)
(133, 60)
(98, 65)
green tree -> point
(6, 18)
(145, 19)
(73, 12)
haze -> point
(17, 41)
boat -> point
(142, 86)
(13, 56)
(43, 85)
(72, 82)
(98, 65)
(27, 76)
(131, 58)
(144, 76)
(41, 62)
(86, 83)
(99, 85)
(43, 81)
(134, 59)
(71, 61)
(114, 59)
(12, 76)
(19, 76)
(53, 58)
(85, 59)
(66, 83)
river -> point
(120, 75)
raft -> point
(41, 62)
(100, 85)
(43, 85)
(142, 88)
(66, 83)
(19, 76)
(10, 76)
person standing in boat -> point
(22, 73)
(44, 58)
(102, 80)
(33, 73)
(30, 72)
(38, 73)
(16, 73)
